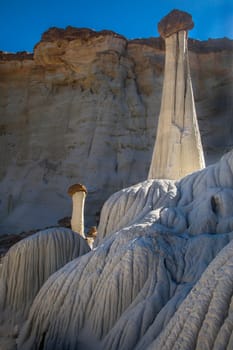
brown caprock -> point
(178, 148)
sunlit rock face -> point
(178, 148)
(198, 203)
(160, 276)
(84, 108)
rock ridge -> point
(18, 56)
(71, 33)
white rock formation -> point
(204, 320)
(178, 148)
(175, 205)
(78, 193)
(125, 293)
(130, 205)
(28, 264)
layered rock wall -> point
(84, 108)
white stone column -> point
(178, 149)
(78, 193)
(77, 219)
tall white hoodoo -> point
(178, 148)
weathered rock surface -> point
(162, 281)
(175, 22)
(204, 320)
(84, 108)
(26, 267)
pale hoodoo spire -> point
(178, 148)
(78, 193)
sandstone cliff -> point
(84, 108)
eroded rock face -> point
(206, 195)
(31, 261)
(157, 282)
(25, 268)
(204, 320)
(84, 108)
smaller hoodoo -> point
(178, 148)
(78, 193)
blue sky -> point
(23, 21)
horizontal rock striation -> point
(84, 108)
